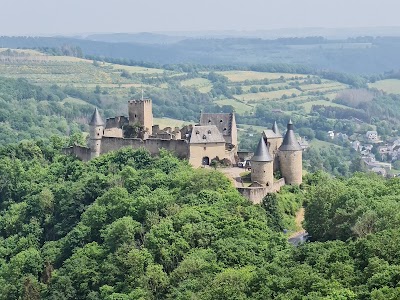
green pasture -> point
(267, 95)
(391, 86)
(239, 107)
(307, 106)
(168, 122)
(240, 76)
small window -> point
(205, 148)
(220, 121)
(225, 129)
(209, 132)
(135, 115)
(209, 121)
(197, 132)
(204, 137)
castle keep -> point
(214, 138)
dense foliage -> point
(129, 226)
(30, 111)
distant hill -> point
(365, 55)
(141, 38)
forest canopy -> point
(130, 226)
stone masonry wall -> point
(291, 166)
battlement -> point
(140, 101)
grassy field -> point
(239, 107)
(391, 86)
(168, 122)
(267, 95)
(307, 106)
(240, 76)
(322, 144)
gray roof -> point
(276, 129)
(262, 153)
(96, 118)
(290, 142)
(270, 134)
(222, 121)
(206, 134)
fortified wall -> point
(256, 193)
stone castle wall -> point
(199, 151)
(256, 194)
(83, 153)
(116, 122)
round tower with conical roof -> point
(96, 131)
(262, 165)
(290, 157)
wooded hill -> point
(361, 55)
(129, 226)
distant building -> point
(372, 135)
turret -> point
(96, 131)
(290, 157)
(262, 165)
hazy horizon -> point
(45, 17)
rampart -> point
(83, 153)
(256, 194)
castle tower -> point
(290, 157)
(96, 131)
(262, 165)
(273, 138)
(141, 113)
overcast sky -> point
(21, 17)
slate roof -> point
(96, 118)
(270, 134)
(206, 134)
(275, 129)
(290, 142)
(261, 153)
(222, 121)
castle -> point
(214, 138)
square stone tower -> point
(140, 113)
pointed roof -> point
(96, 118)
(275, 129)
(262, 153)
(290, 142)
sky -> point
(48, 17)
